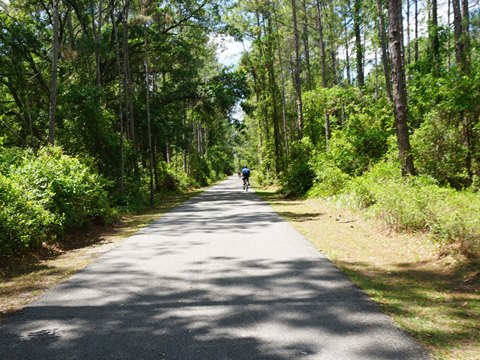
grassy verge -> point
(24, 279)
(434, 298)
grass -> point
(433, 297)
(24, 279)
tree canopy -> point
(329, 90)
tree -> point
(53, 81)
(357, 20)
(399, 92)
(297, 82)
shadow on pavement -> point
(144, 301)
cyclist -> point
(246, 177)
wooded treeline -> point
(373, 104)
(347, 75)
(339, 96)
(132, 88)
(127, 82)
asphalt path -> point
(220, 277)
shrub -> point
(10, 157)
(456, 221)
(418, 204)
(299, 176)
(358, 145)
(329, 179)
(439, 150)
(24, 223)
(65, 186)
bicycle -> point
(246, 184)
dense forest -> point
(374, 105)
(106, 103)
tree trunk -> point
(466, 36)
(449, 11)
(53, 82)
(274, 95)
(383, 41)
(130, 124)
(97, 33)
(399, 86)
(409, 50)
(435, 41)
(357, 21)
(321, 40)
(284, 107)
(297, 82)
(458, 31)
(324, 66)
(416, 30)
(306, 45)
(347, 54)
(149, 117)
(261, 77)
(120, 97)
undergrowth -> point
(418, 203)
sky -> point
(229, 50)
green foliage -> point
(329, 179)
(299, 176)
(46, 194)
(9, 158)
(439, 151)
(24, 223)
(361, 143)
(417, 204)
(65, 186)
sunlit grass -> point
(436, 299)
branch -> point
(185, 19)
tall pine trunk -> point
(97, 33)
(435, 41)
(399, 86)
(383, 41)
(120, 96)
(283, 98)
(357, 21)
(53, 81)
(306, 46)
(416, 32)
(323, 62)
(297, 82)
(147, 107)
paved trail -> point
(220, 277)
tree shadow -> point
(451, 317)
(219, 308)
(192, 286)
(300, 217)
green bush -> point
(361, 142)
(439, 151)
(24, 223)
(417, 204)
(329, 179)
(456, 220)
(299, 177)
(10, 157)
(65, 186)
